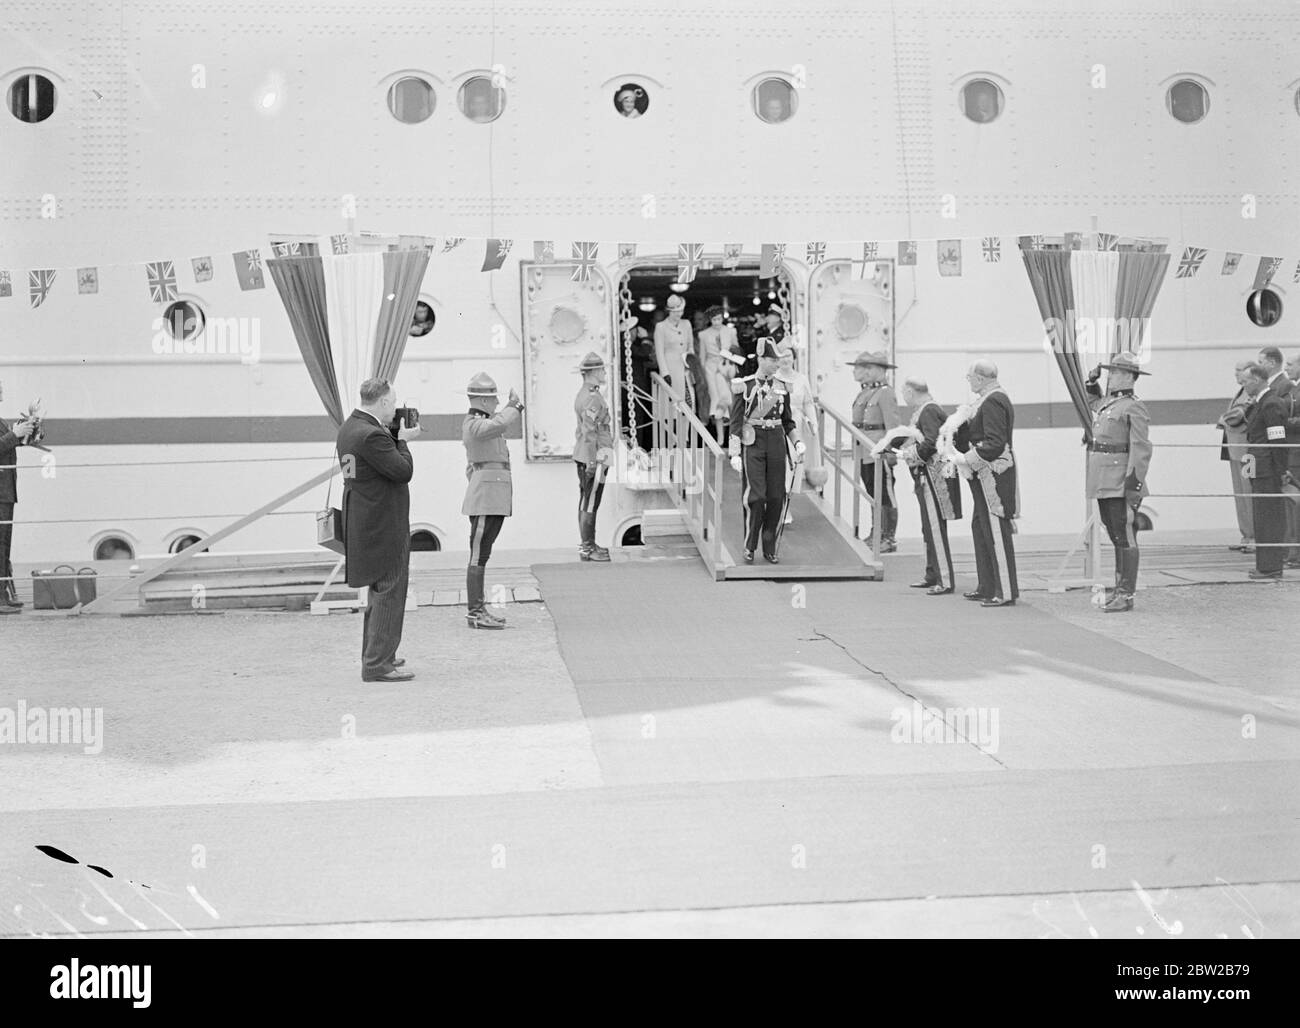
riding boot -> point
(589, 550)
(476, 614)
(1122, 600)
(888, 528)
(10, 593)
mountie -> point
(102, 981)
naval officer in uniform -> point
(982, 438)
(1118, 458)
(875, 412)
(490, 495)
(593, 448)
(762, 421)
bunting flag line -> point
(39, 283)
(689, 258)
(1192, 259)
(248, 269)
(495, 253)
(948, 253)
(585, 255)
(162, 281)
(7, 284)
(1264, 273)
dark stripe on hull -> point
(447, 427)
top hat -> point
(481, 385)
(591, 362)
(1126, 360)
(879, 358)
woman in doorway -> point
(673, 341)
(715, 340)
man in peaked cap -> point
(875, 412)
(1118, 458)
(761, 422)
(490, 494)
(593, 448)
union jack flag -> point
(992, 247)
(585, 255)
(452, 242)
(731, 254)
(39, 283)
(287, 249)
(1192, 259)
(1230, 262)
(162, 281)
(339, 243)
(689, 258)
(816, 253)
(1107, 241)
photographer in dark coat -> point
(377, 466)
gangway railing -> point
(692, 475)
(849, 445)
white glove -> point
(798, 453)
(735, 463)
(960, 458)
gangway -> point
(822, 542)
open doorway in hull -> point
(744, 299)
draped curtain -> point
(350, 315)
(1114, 291)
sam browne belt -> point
(770, 423)
(1096, 447)
(480, 465)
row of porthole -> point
(117, 547)
(411, 100)
(185, 319)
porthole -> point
(1264, 308)
(425, 541)
(184, 320)
(850, 321)
(631, 100)
(775, 101)
(981, 101)
(1188, 101)
(422, 320)
(411, 100)
(113, 547)
(480, 101)
(567, 325)
(184, 542)
(31, 97)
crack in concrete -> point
(903, 692)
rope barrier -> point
(158, 463)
